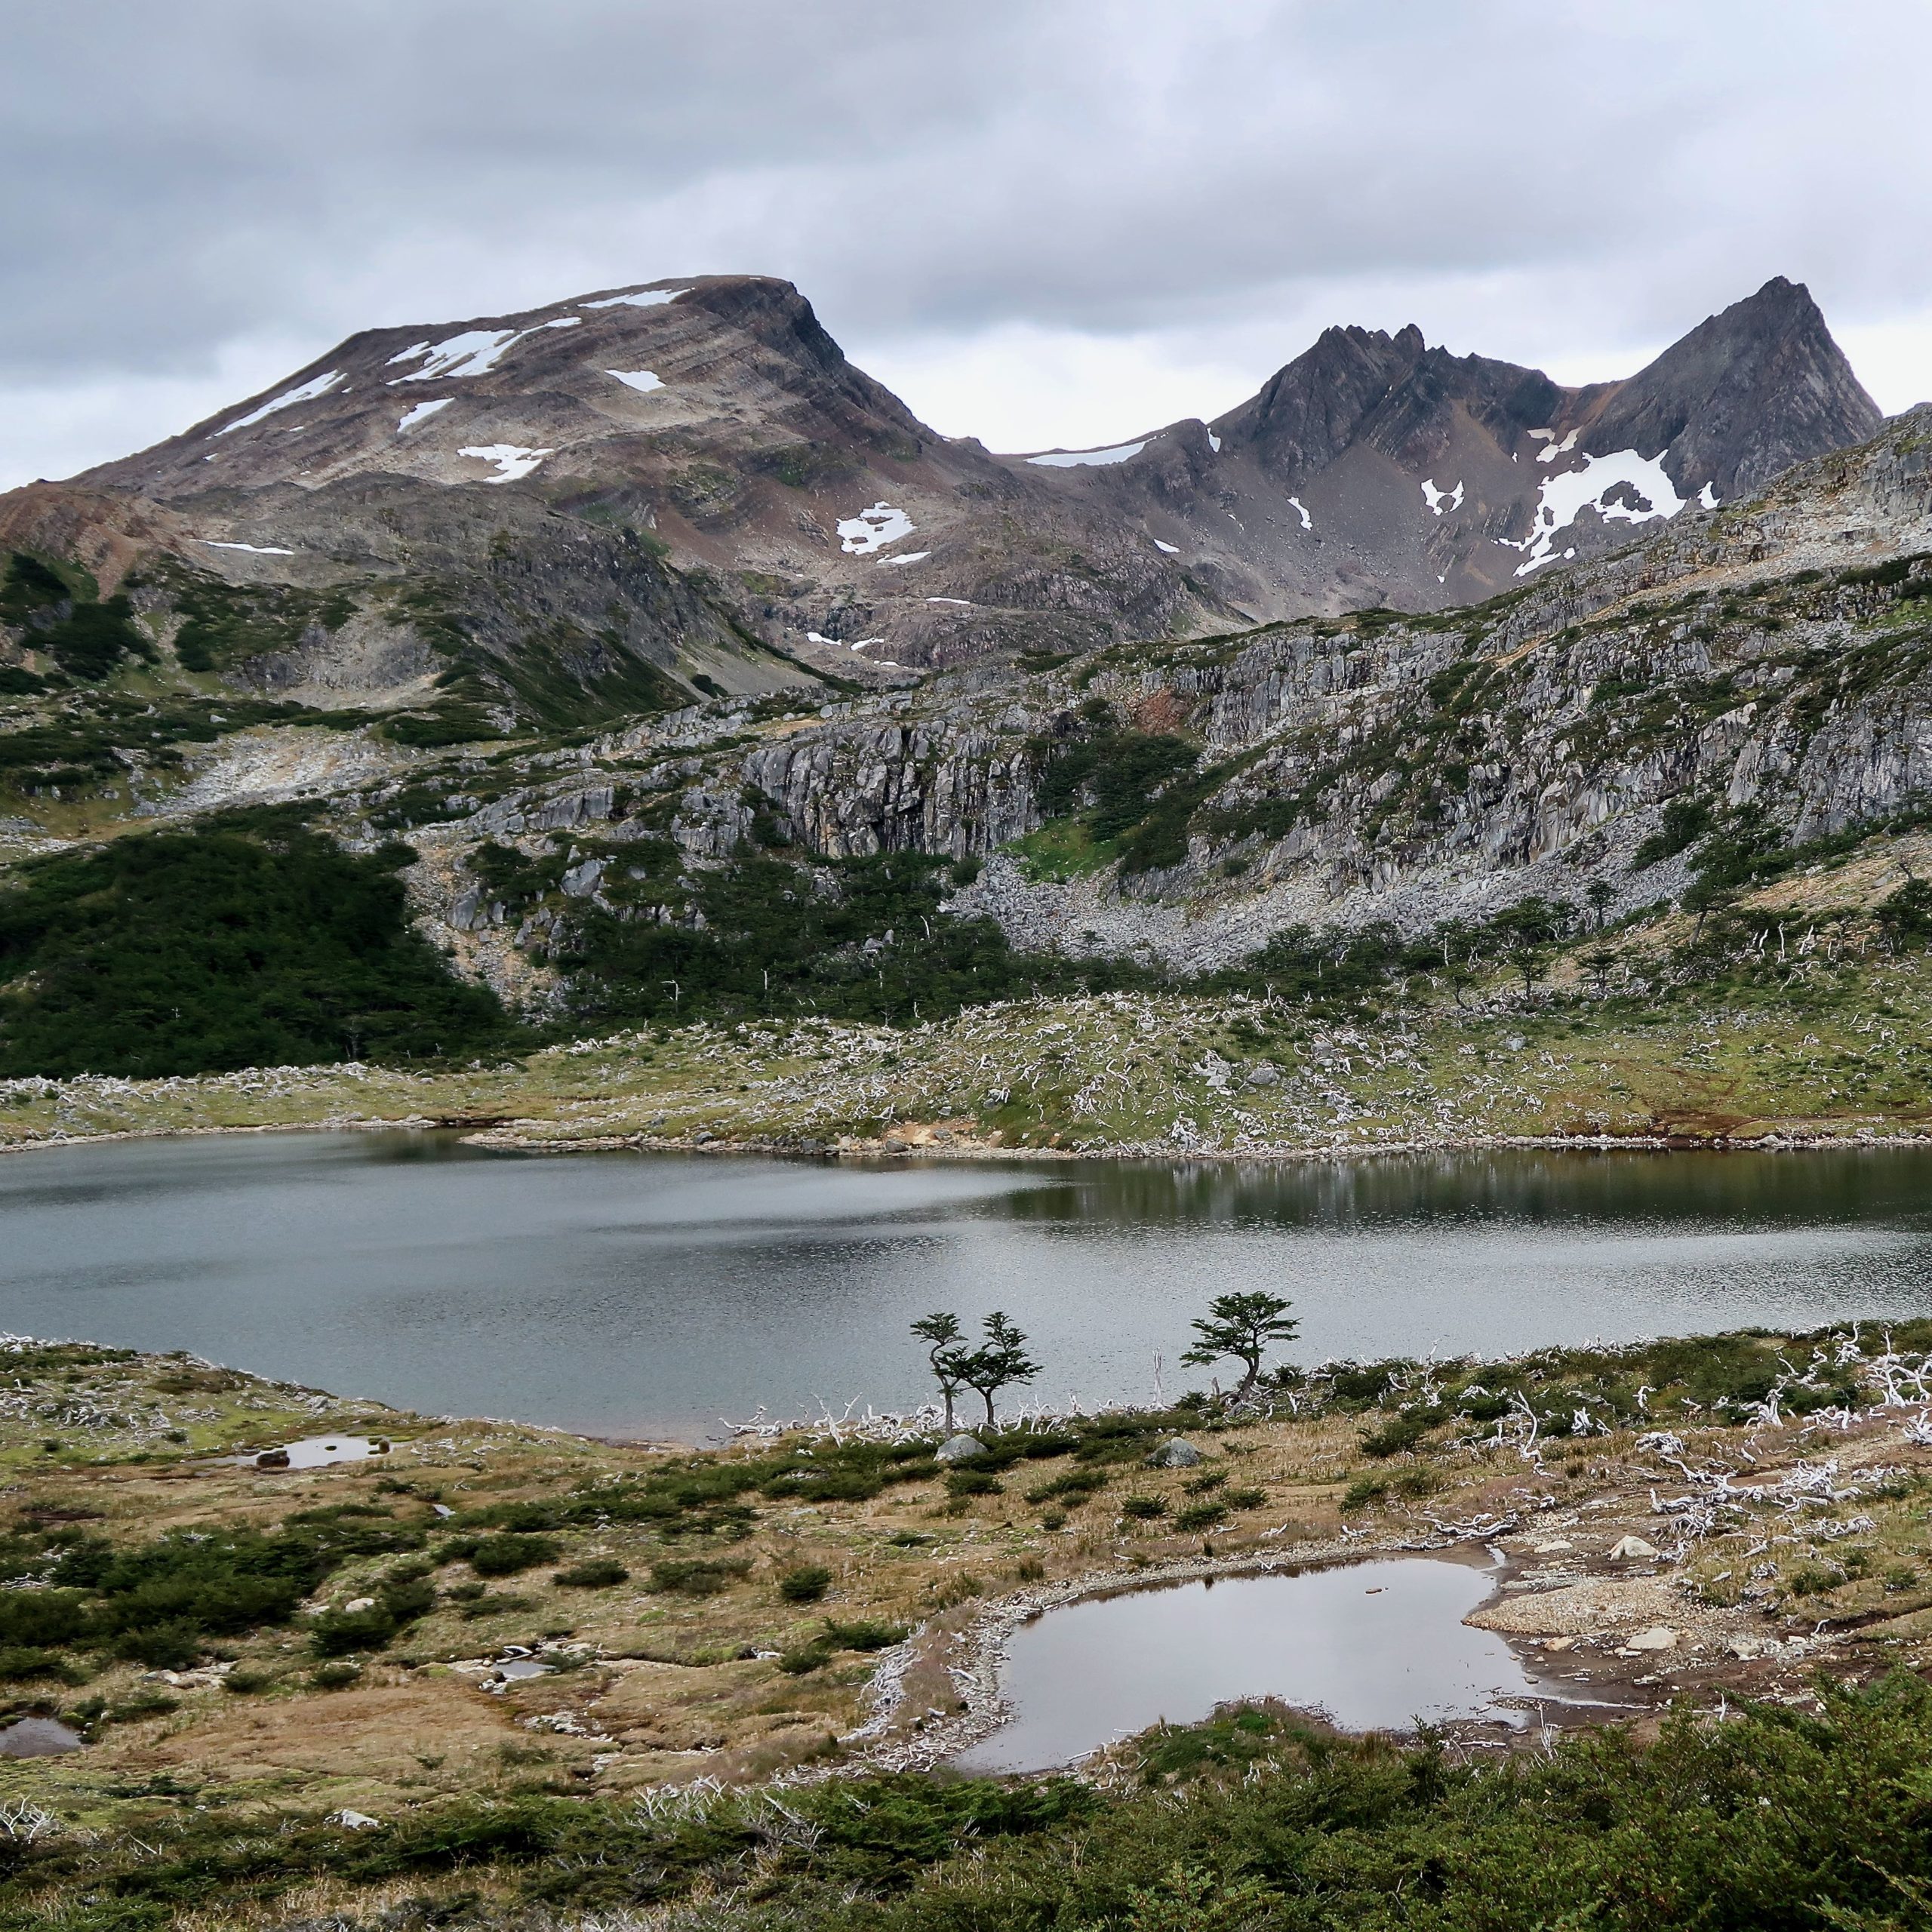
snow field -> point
(872, 530)
(306, 392)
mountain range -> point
(688, 487)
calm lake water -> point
(622, 1293)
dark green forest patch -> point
(251, 941)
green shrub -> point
(509, 1554)
(1074, 1485)
(698, 1577)
(335, 1676)
(1400, 1433)
(39, 1618)
(1144, 1509)
(1245, 1499)
(20, 1663)
(336, 1633)
(807, 1584)
(1205, 1485)
(598, 1573)
(972, 1482)
(1200, 1516)
(864, 1636)
(174, 1644)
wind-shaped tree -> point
(1002, 1360)
(948, 1355)
(1243, 1326)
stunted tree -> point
(948, 1355)
(1001, 1362)
(1243, 1326)
(1529, 933)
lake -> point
(621, 1293)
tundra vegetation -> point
(288, 1681)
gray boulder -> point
(959, 1449)
(1179, 1454)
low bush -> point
(509, 1554)
(596, 1573)
(1200, 1516)
(806, 1584)
(697, 1577)
(972, 1482)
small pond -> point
(1378, 1646)
(38, 1737)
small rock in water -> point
(1179, 1454)
(1632, 1550)
(959, 1449)
(272, 1459)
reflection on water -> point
(1369, 1647)
(627, 1294)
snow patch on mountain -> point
(254, 549)
(637, 379)
(511, 460)
(1171, 549)
(872, 530)
(303, 392)
(1622, 487)
(1083, 459)
(474, 352)
(644, 298)
(910, 557)
(1296, 504)
(1438, 500)
(423, 410)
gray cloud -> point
(203, 194)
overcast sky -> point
(1040, 221)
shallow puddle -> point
(1378, 1646)
(317, 1452)
(38, 1737)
